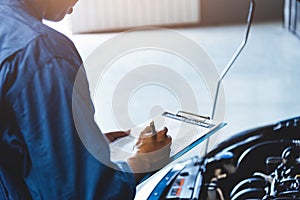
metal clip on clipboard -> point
(190, 118)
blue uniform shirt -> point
(42, 156)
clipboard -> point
(186, 129)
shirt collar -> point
(27, 5)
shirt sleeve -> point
(66, 154)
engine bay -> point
(261, 163)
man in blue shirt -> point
(42, 156)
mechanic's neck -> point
(39, 7)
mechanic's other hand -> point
(112, 136)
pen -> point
(152, 127)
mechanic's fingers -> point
(145, 132)
(162, 135)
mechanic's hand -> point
(152, 152)
(148, 142)
(112, 136)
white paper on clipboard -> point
(186, 132)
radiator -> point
(108, 15)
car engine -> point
(261, 163)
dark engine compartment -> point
(262, 163)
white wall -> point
(111, 15)
(106, 15)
